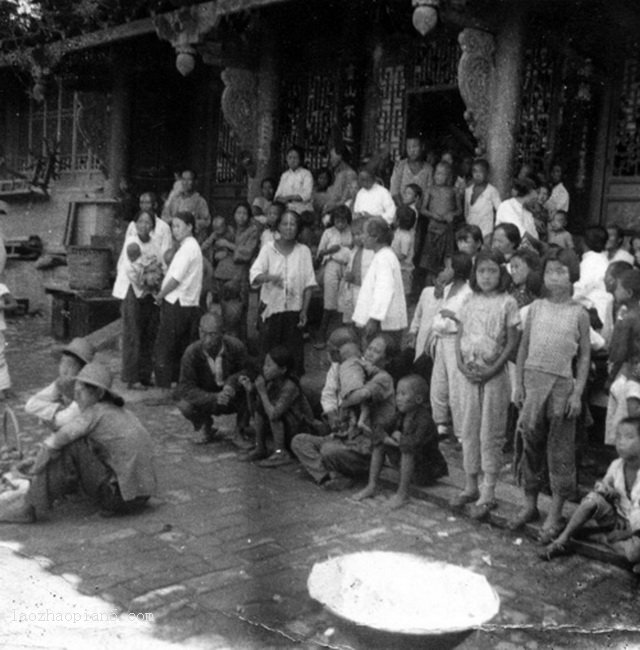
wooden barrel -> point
(89, 268)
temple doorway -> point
(437, 115)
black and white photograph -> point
(320, 324)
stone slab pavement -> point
(221, 558)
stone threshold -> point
(509, 500)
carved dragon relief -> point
(475, 80)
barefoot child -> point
(614, 502)
(442, 207)
(556, 332)
(487, 337)
(413, 441)
(281, 409)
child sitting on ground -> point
(412, 440)
(353, 377)
(403, 243)
(557, 234)
(614, 502)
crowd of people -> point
(447, 314)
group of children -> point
(502, 333)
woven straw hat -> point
(95, 374)
(80, 348)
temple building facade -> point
(226, 86)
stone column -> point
(506, 96)
(266, 126)
(120, 124)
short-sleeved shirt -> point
(186, 267)
(627, 505)
(482, 211)
(296, 271)
(419, 438)
(485, 321)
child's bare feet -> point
(398, 501)
(367, 493)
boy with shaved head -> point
(412, 442)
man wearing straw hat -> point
(106, 452)
(54, 405)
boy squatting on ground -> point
(614, 502)
(412, 436)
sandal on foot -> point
(547, 535)
(480, 511)
(463, 498)
(523, 518)
(553, 550)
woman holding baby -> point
(139, 274)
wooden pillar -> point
(120, 124)
(268, 90)
(506, 97)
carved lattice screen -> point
(626, 160)
(533, 142)
(228, 156)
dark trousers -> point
(76, 469)
(200, 414)
(282, 329)
(178, 328)
(139, 329)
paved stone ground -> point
(221, 558)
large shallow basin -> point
(401, 593)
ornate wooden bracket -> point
(185, 28)
(475, 79)
(240, 104)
